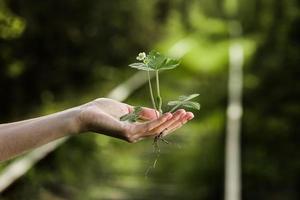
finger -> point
(181, 120)
(177, 115)
(148, 114)
(174, 128)
(178, 124)
(189, 115)
(148, 126)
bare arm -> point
(101, 116)
(18, 137)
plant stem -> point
(158, 92)
(151, 93)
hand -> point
(103, 115)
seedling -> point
(156, 62)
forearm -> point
(18, 137)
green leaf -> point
(157, 61)
(191, 104)
(141, 66)
(133, 116)
(183, 101)
(169, 64)
(187, 98)
(174, 103)
(154, 60)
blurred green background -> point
(58, 54)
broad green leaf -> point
(140, 66)
(154, 60)
(174, 103)
(169, 64)
(183, 101)
(191, 104)
(157, 61)
(187, 98)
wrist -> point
(82, 118)
(74, 122)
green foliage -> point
(184, 101)
(141, 66)
(155, 61)
(11, 26)
(133, 116)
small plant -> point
(156, 62)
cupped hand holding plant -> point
(102, 116)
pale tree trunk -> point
(233, 180)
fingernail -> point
(168, 115)
(182, 111)
(183, 116)
(178, 112)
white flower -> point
(141, 56)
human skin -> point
(101, 116)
